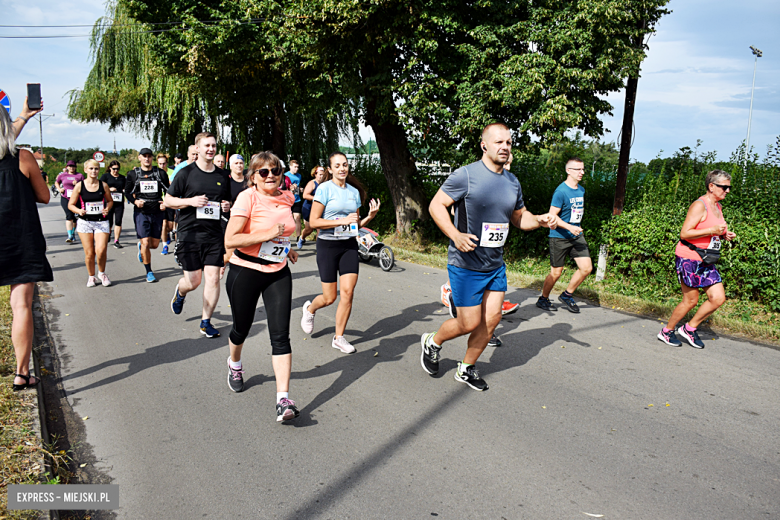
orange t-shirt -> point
(262, 213)
(710, 220)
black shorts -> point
(561, 247)
(68, 213)
(336, 257)
(193, 256)
(148, 226)
(298, 207)
(116, 214)
(170, 215)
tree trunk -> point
(398, 166)
(625, 145)
(278, 141)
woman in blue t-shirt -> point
(334, 213)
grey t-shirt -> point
(481, 197)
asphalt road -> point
(586, 413)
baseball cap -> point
(145, 151)
(71, 163)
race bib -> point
(148, 186)
(349, 230)
(94, 208)
(209, 211)
(117, 196)
(275, 250)
(493, 235)
(576, 215)
(714, 243)
(68, 193)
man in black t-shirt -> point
(200, 191)
(144, 189)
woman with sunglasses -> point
(116, 185)
(334, 213)
(319, 175)
(91, 201)
(259, 229)
(703, 229)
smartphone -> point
(34, 96)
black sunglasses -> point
(724, 187)
(114, 169)
(264, 172)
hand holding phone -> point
(34, 96)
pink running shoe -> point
(92, 281)
(104, 280)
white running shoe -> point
(92, 281)
(104, 280)
(341, 343)
(307, 321)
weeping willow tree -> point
(128, 87)
(191, 76)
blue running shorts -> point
(468, 287)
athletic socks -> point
(431, 342)
(148, 268)
(282, 395)
(689, 328)
(666, 331)
(567, 294)
(235, 365)
(462, 368)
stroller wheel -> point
(386, 258)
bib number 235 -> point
(493, 235)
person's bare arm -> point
(178, 203)
(317, 222)
(74, 197)
(235, 237)
(438, 208)
(30, 169)
(527, 221)
(19, 122)
(696, 214)
(574, 230)
(308, 193)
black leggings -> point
(115, 215)
(68, 213)
(244, 287)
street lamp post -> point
(757, 53)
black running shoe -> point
(545, 304)
(692, 337)
(494, 342)
(117, 245)
(286, 410)
(429, 359)
(669, 338)
(569, 303)
(471, 377)
(235, 378)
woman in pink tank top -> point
(704, 227)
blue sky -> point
(695, 82)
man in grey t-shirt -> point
(487, 199)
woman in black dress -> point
(22, 245)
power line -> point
(111, 24)
(214, 23)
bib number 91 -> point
(350, 230)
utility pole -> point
(757, 53)
(40, 124)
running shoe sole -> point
(288, 415)
(423, 340)
(663, 338)
(173, 301)
(511, 310)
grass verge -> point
(21, 448)
(735, 317)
